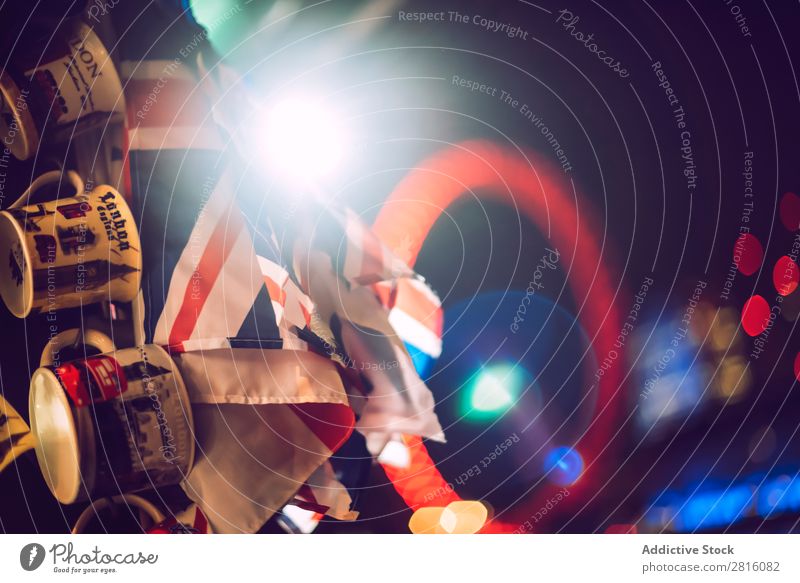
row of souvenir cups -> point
(118, 421)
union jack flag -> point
(215, 293)
(263, 344)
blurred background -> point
(692, 211)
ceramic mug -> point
(146, 509)
(116, 422)
(70, 251)
(57, 86)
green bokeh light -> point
(227, 21)
(492, 391)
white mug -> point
(56, 87)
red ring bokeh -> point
(541, 192)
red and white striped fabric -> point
(216, 280)
(165, 108)
(367, 260)
(256, 457)
(265, 418)
(399, 401)
(325, 495)
(415, 313)
(291, 306)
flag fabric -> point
(268, 410)
(397, 400)
(334, 264)
(276, 360)
(415, 313)
(260, 457)
(292, 308)
(15, 435)
(298, 520)
(324, 494)
(359, 256)
(188, 521)
(154, 123)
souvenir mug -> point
(146, 510)
(113, 423)
(68, 252)
(56, 87)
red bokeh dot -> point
(785, 275)
(747, 253)
(755, 315)
(797, 366)
(790, 211)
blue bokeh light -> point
(563, 466)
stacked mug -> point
(119, 420)
(114, 421)
(57, 86)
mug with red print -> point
(109, 423)
(80, 248)
(57, 86)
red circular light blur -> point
(533, 186)
(755, 315)
(747, 254)
(785, 275)
(790, 211)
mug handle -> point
(49, 178)
(69, 337)
(142, 504)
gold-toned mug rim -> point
(27, 138)
(64, 495)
